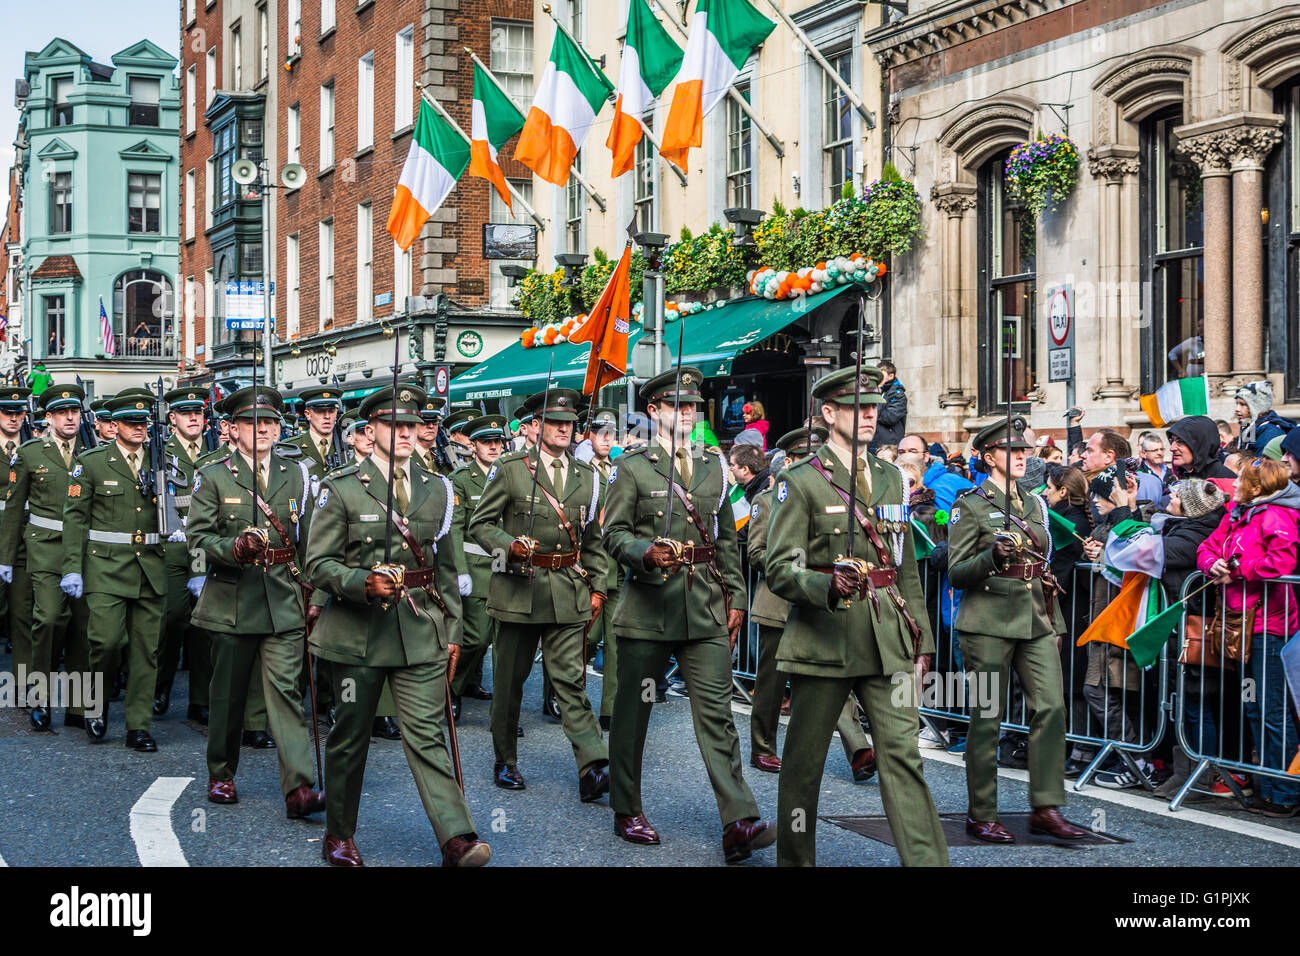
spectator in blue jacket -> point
(891, 421)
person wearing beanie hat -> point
(1291, 452)
(1258, 423)
(1035, 475)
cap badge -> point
(139, 405)
(65, 395)
(688, 379)
(405, 396)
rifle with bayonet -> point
(86, 430)
(163, 476)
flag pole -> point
(541, 223)
(577, 176)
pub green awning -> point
(711, 342)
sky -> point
(100, 27)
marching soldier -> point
(358, 436)
(105, 430)
(18, 587)
(602, 428)
(251, 602)
(771, 613)
(538, 512)
(321, 408)
(33, 523)
(487, 435)
(684, 597)
(1009, 618)
(869, 646)
(426, 438)
(394, 623)
(113, 554)
(459, 448)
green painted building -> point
(98, 155)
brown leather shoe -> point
(340, 852)
(864, 764)
(744, 837)
(989, 831)
(765, 763)
(507, 777)
(304, 801)
(468, 850)
(1048, 820)
(635, 828)
(222, 791)
(593, 784)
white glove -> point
(177, 535)
(70, 584)
(195, 585)
(464, 584)
(7, 573)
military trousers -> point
(177, 633)
(18, 614)
(420, 695)
(476, 639)
(122, 628)
(562, 655)
(1038, 664)
(705, 666)
(765, 714)
(602, 633)
(58, 627)
(273, 661)
(816, 704)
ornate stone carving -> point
(1250, 145)
(1172, 65)
(953, 199)
(1241, 140)
(1104, 162)
(1243, 49)
(1234, 85)
(1206, 151)
(916, 37)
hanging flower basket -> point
(1043, 172)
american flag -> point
(106, 332)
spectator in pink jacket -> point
(753, 414)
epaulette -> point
(967, 491)
(85, 451)
(511, 456)
(351, 469)
(585, 464)
(213, 457)
(643, 450)
(37, 441)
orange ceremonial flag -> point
(607, 327)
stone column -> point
(1115, 165)
(1249, 146)
(954, 200)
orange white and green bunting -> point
(493, 120)
(437, 158)
(650, 61)
(842, 270)
(569, 96)
(723, 34)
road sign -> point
(442, 380)
(1060, 330)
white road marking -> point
(151, 823)
(2, 861)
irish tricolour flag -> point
(494, 119)
(1177, 399)
(650, 61)
(436, 159)
(723, 34)
(571, 93)
(739, 505)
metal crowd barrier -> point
(1222, 712)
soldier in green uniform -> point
(547, 585)
(359, 439)
(487, 434)
(771, 613)
(459, 448)
(871, 646)
(33, 524)
(105, 429)
(602, 429)
(113, 552)
(321, 407)
(426, 438)
(18, 587)
(384, 627)
(1001, 560)
(251, 600)
(684, 597)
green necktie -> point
(684, 465)
(864, 486)
(399, 490)
(557, 479)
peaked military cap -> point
(801, 441)
(125, 406)
(260, 402)
(839, 388)
(487, 427)
(601, 417)
(405, 404)
(13, 398)
(325, 396)
(458, 420)
(61, 396)
(561, 405)
(186, 399)
(997, 436)
(663, 387)
(433, 409)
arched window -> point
(224, 273)
(144, 314)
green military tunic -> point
(1005, 623)
(403, 645)
(307, 441)
(33, 525)
(111, 538)
(829, 650)
(480, 627)
(659, 617)
(553, 605)
(770, 613)
(16, 596)
(253, 612)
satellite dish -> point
(293, 175)
(244, 171)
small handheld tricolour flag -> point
(739, 506)
(494, 119)
(723, 34)
(437, 158)
(1177, 399)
